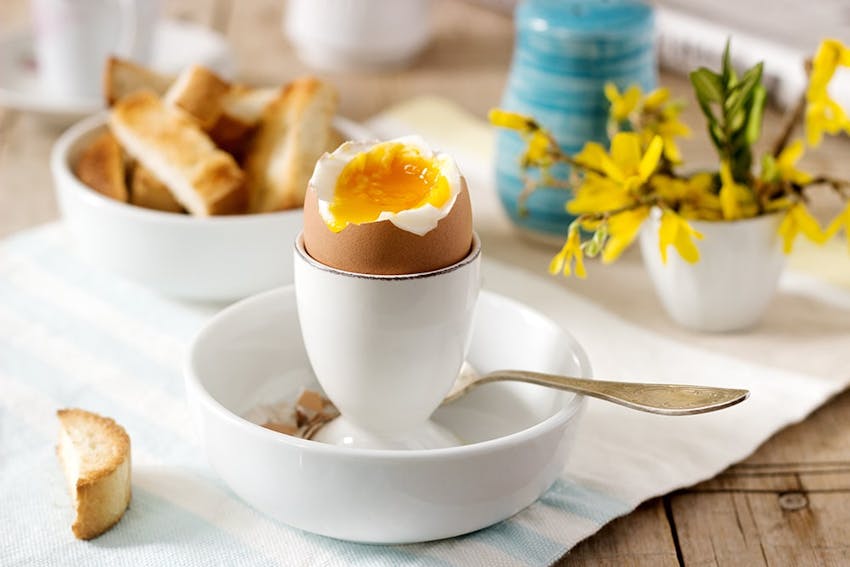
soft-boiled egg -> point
(393, 207)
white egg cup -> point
(386, 349)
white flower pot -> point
(731, 285)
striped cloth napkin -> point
(71, 335)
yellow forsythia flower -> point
(786, 164)
(736, 201)
(512, 120)
(656, 99)
(693, 195)
(598, 194)
(798, 220)
(539, 143)
(839, 222)
(537, 152)
(571, 251)
(677, 232)
(612, 179)
(669, 127)
(622, 229)
(622, 105)
(823, 114)
(626, 163)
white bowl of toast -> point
(192, 186)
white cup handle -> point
(127, 28)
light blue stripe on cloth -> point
(161, 527)
(46, 246)
(522, 543)
(89, 338)
(584, 501)
(357, 554)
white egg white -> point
(419, 220)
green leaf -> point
(740, 97)
(769, 171)
(717, 136)
(756, 113)
(752, 77)
(728, 75)
(736, 121)
(707, 85)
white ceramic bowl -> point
(204, 259)
(518, 435)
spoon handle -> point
(665, 399)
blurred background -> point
(458, 50)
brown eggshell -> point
(383, 248)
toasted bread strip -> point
(149, 192)
(200, 93)
(95, 455)
(122, 77)
(204, 179)
(293, 134)
(101, 167)
(242, 108)
(247, 104)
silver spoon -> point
(664, 399)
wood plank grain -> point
(642, 538)
(788, 504)
(749, 528)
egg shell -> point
(381, 248)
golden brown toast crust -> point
(101, 167)
(149, 192)
(102, 487)
(176, 151)
(292, 135)
(200, 93)
(122, 77)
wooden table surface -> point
(788, 504)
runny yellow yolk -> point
(390, 177)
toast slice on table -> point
(293, 133)
(200, 93)
(101, 167)
(149, 192)
(94, 452)
(242, 108)
(203, 178)
(122, 77)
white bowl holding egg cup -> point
(386, 348)
(213, 259)
(518, 436)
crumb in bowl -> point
(301, 417)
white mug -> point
(73, 38)
(386, 349)
(358, 35)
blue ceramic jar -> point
(566, 50)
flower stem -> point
(793, 117)
(790, 121)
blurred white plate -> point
(176, 45)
